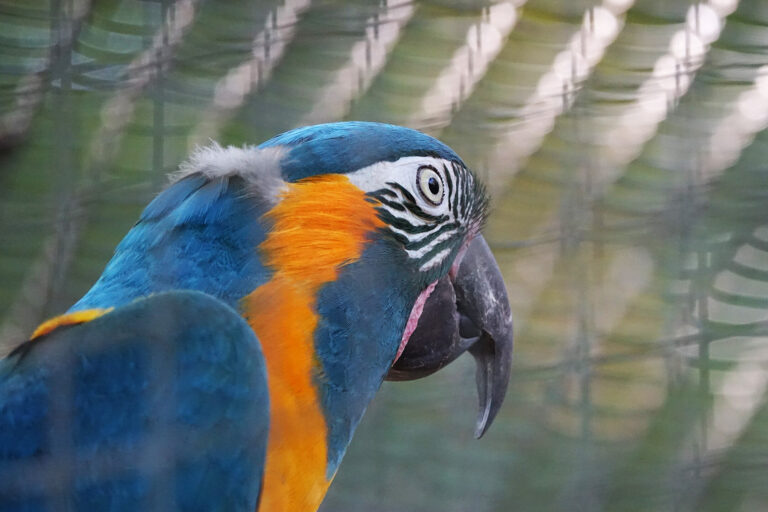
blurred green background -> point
(625, 147)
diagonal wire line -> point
(319, 79)
(231, 92)
(469, 63)
(549, 222)
(366, 60)
(541, 94)
(28, 92)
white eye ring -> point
(430, 184)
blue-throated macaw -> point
(229, 349)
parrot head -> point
(431, 209)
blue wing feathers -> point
(202, 206)
(101, 420)
(132, 492)
(172, 196)
(23, 409)
(166, 402)
(194, 236)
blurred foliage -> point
(625, 146)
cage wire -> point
(623, 142)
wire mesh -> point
(623, 142)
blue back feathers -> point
(198, 234)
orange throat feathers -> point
(320, 224)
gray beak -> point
(470, 313)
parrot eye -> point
(430, 184)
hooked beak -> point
(468, 313)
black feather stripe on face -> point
(432, 234)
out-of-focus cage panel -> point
(624, 145)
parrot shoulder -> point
(200, 233)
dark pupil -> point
(433, 185)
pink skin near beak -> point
(418, 306)
(454, 271)
(413, 318)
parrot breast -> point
(321, 224)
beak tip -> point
(480, 430)
(485, 418)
